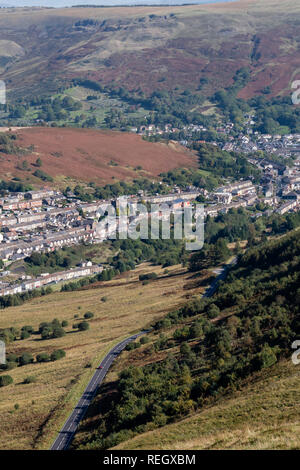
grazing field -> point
(264, 415)
(87, 155)
(126, 307)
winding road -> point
(68, 430)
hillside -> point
(149, 48)
(120, 307)
(261, 416)
(91, 155)
(212, 361)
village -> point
(45, 220)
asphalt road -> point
(223, 273)
(68, 430)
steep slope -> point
(152, 47)
(92, 155)
(220, 360)
(264, 415)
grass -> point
(264, 415)
(98, 108)
(45, 404)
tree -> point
(25, 359)
(38, 162)
(88, 315)
(57, 354)
(5, 380)
(43, 357)
(83, 326)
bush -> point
(25, 334)
(57, 354)
(146, 277)
(8, 366)
(64, 323)
(5, 380)
(83, 326)
(29, 380)
(43, 357)
(104, 299)
(88, 315)
(25, 359)
(144, 340)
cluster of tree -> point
(222, 163)
(58, 109)
(258, 318)
(210, 255)
(56, 259)
(47, 330)
(51, 330)
(19, 299)
(234, 108)
(13, 361)
(184, 177)
(276, 115)
(13, 187)
(42, 175)
(124, 188)
(7, 143)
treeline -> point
(222, 163)
(210, 346)
(14, 361)
(13, 187)
(18, 299)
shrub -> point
(57, 354)
(8, 366)
(146, 277)
(144, 340)
(88, 315)
(83, 326)
(25, 359)
(5, 380)
(43, 357)
(25, 334)
(29, 380)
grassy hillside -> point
(263, 415)
(91, 155)
(150, 48)
(31, 414)
(207, 351)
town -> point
(45, 220)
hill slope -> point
(264, 415)
(214, 357)
(92, 155)
(150, 48)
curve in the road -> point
(68, 430)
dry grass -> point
(265, 415)
(44, 405)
